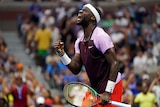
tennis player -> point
(95, 50)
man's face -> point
(84, 16)
(144, 88)
(19, 81)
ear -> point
(93, 18)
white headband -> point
(94, 11)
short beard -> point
(83, 23)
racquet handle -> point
(119, 104)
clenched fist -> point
(59, 46)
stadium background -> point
(11, 17)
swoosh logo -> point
(89, 47)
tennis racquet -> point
(82, 95)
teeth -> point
(78, 19)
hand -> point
(104, 98)
(59, 46)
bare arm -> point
(75, 64)
(110, 55)
(111, 58)
(152, 84)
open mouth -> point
(79, 17)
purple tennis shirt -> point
(92, 56)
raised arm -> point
(73, 64)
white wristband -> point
(110, 86)
(65, 59)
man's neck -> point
(88, 31)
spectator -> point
(150, 60)
(1, 82)
(141, 13)
(25, 26)
(132, 83)
(47, 19)
(3, 49)
(138, 88)
(146, 35)
(43, 40)
(30, 38)
(139, 60)
(120, 20)
(69, 77)
(132, 9)
(141, 44)
(3, 103)
(35, 9)
(127, 73)
(19, 92)
(60, 11)
(154, 49)
(10, 63)
(82, 2)
(31, 99)
(157, 7)
(58, 101)
(145, 77)
(70, 10)
(83, 77)
(132, 36)
(108, 21)
(67, 33)
(124, 57)
(53, 72)
(20, 70)
(40, 101)
(55, 33)
(127, 96)
(155, 34)
(48, 98)
(6, 98)
(117, 36)
(155, 87)
(7, 95)
(145, 98)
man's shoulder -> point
(151, 94)
(140, 95)
(99, 34)
(80, 38)
(100, 31)
(38, 30)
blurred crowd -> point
(64, 0)
(134, 29)
(18, 85)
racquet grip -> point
(119, 104)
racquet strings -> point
(80, 95)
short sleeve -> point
(49, 69)
(62, 67)
(103, 41)
(76, 46)
(154, 100)
(137, 99)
